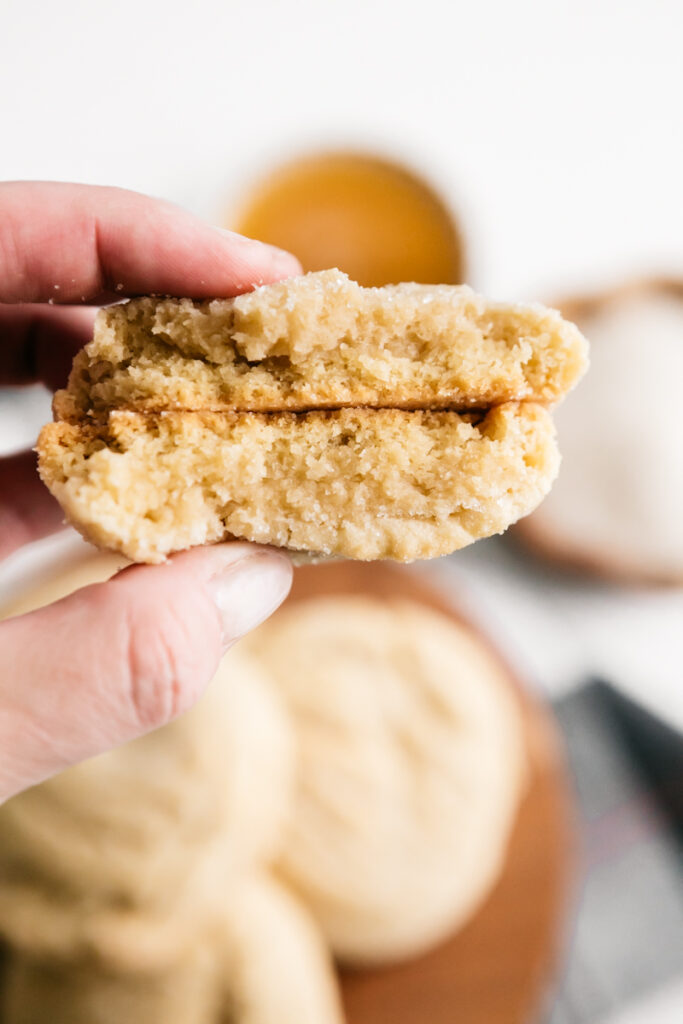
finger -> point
(27, 509)
(78, 243)
(38, 343)
(117, 659)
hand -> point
(117, 659)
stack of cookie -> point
(400, 422)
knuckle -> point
(167, 664)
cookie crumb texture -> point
(357, 483)
(322, 341)
(400, 422)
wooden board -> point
(500, 967)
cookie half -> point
(358, 483)
(322, 341)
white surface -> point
(553, 125)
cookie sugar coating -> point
(323, 341)
(358, 483)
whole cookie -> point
(274, 964)
(410, 769)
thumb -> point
(117, 659)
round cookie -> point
(617, 505)
(275, 966)
(410, 769)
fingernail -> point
(282, 263)
(235, 236)
(248, 591)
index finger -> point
(82, 243)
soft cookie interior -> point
(361, 483)
(400, 422)
(323, 341)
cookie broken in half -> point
(400, 422)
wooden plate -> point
(499, 968)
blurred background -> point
(547, 140)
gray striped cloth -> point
(625, 942)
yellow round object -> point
(374, 219)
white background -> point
(554, 126)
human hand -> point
(116, 659)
